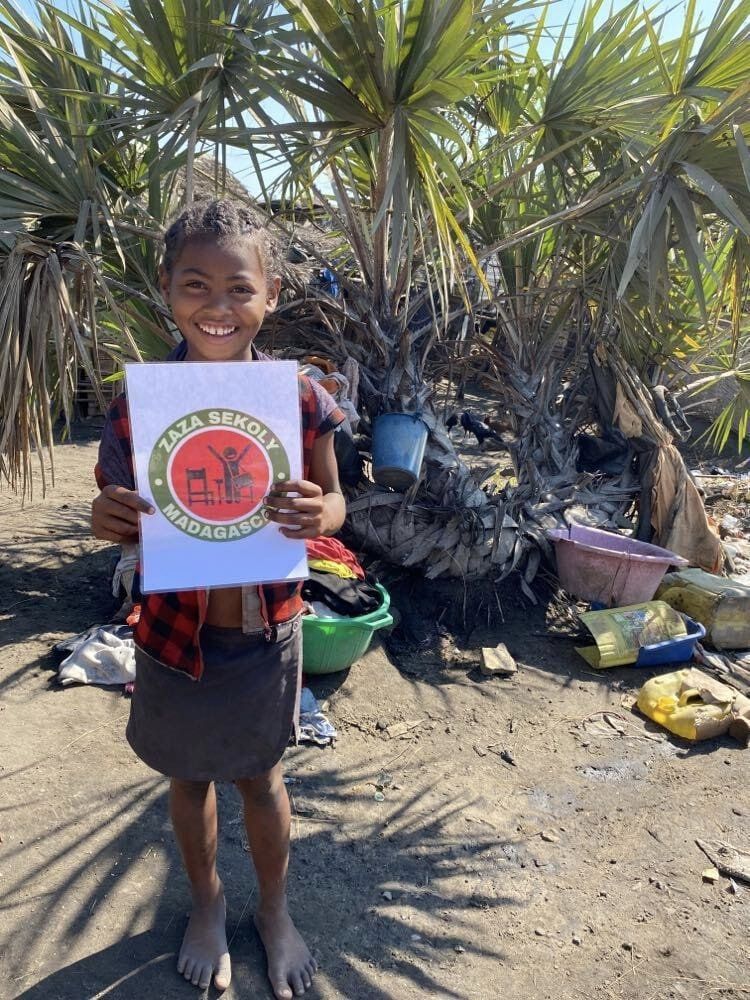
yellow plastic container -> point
(685, 704)
(721, 605)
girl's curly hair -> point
(224, 220)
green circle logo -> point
(210, 470)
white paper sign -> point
(209, 440)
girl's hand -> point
(304, 516)
(114, 514)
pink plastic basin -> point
(609, 569)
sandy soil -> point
(572, 873)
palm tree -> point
(654, 189)
(458, 165)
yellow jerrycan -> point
(689, 703)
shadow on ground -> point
(84, 870)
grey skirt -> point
(235, 721)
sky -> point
(674, 21)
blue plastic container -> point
(677, 650)
(398, 444)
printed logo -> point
(210, 470)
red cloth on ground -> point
(332, 548)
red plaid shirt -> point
(170, 623)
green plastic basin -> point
(332, 644)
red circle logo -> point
(219, 475)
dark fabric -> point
(608, 454)
(644, 449)
(348, 459)
(115, 464)
(233, 723)
(169, 623)
(345, 597)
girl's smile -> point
(217, 331)
(219, 296)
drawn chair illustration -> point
(243, 481)
(197, 487)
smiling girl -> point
(218, 672)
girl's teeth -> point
(218, 331)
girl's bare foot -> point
(204, 950)
(291, 967)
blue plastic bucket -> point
(677, 650)
(398, 444)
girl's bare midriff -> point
(225, 607)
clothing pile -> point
(103, 654)
(337, 586)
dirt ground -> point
(423, 866)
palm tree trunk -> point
(381, 299)
(192, 143)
